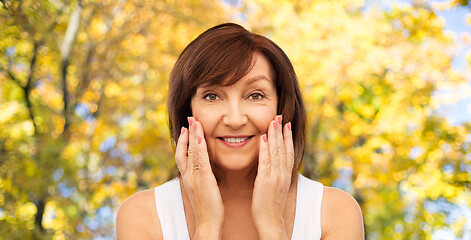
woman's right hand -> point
(199, 182)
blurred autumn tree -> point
(83, 118)
(368, 77)
(82, 109)
(461, 2)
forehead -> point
(261, 67)
(260, 70)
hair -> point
(222, 55)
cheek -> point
(208, 120)
(262, 119)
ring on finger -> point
(275, 154)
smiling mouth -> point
(235, 141)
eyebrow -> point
(250, 81)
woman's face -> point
(235, 117)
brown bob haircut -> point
(221, 56)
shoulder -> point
(341, 215)
(137, 217)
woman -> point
(238, 120)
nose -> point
(235, 115)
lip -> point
(236, 145)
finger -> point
(181, 150)
(273, 144)
(280, 142)
(263, 156)
(192, 154)
(289, 146)
(202, 149)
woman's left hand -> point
(276, 159)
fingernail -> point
(182, 131)
(289, 126)
(264, 137)
(200, 139)
(190, 121)
(280, 118)
(275, 124)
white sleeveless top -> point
(307, 220)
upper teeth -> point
(235, 140)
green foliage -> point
(463, 2)
(368, 78)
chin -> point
(236, 164)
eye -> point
(256, 96)
(211, 97)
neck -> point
(234, 180)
